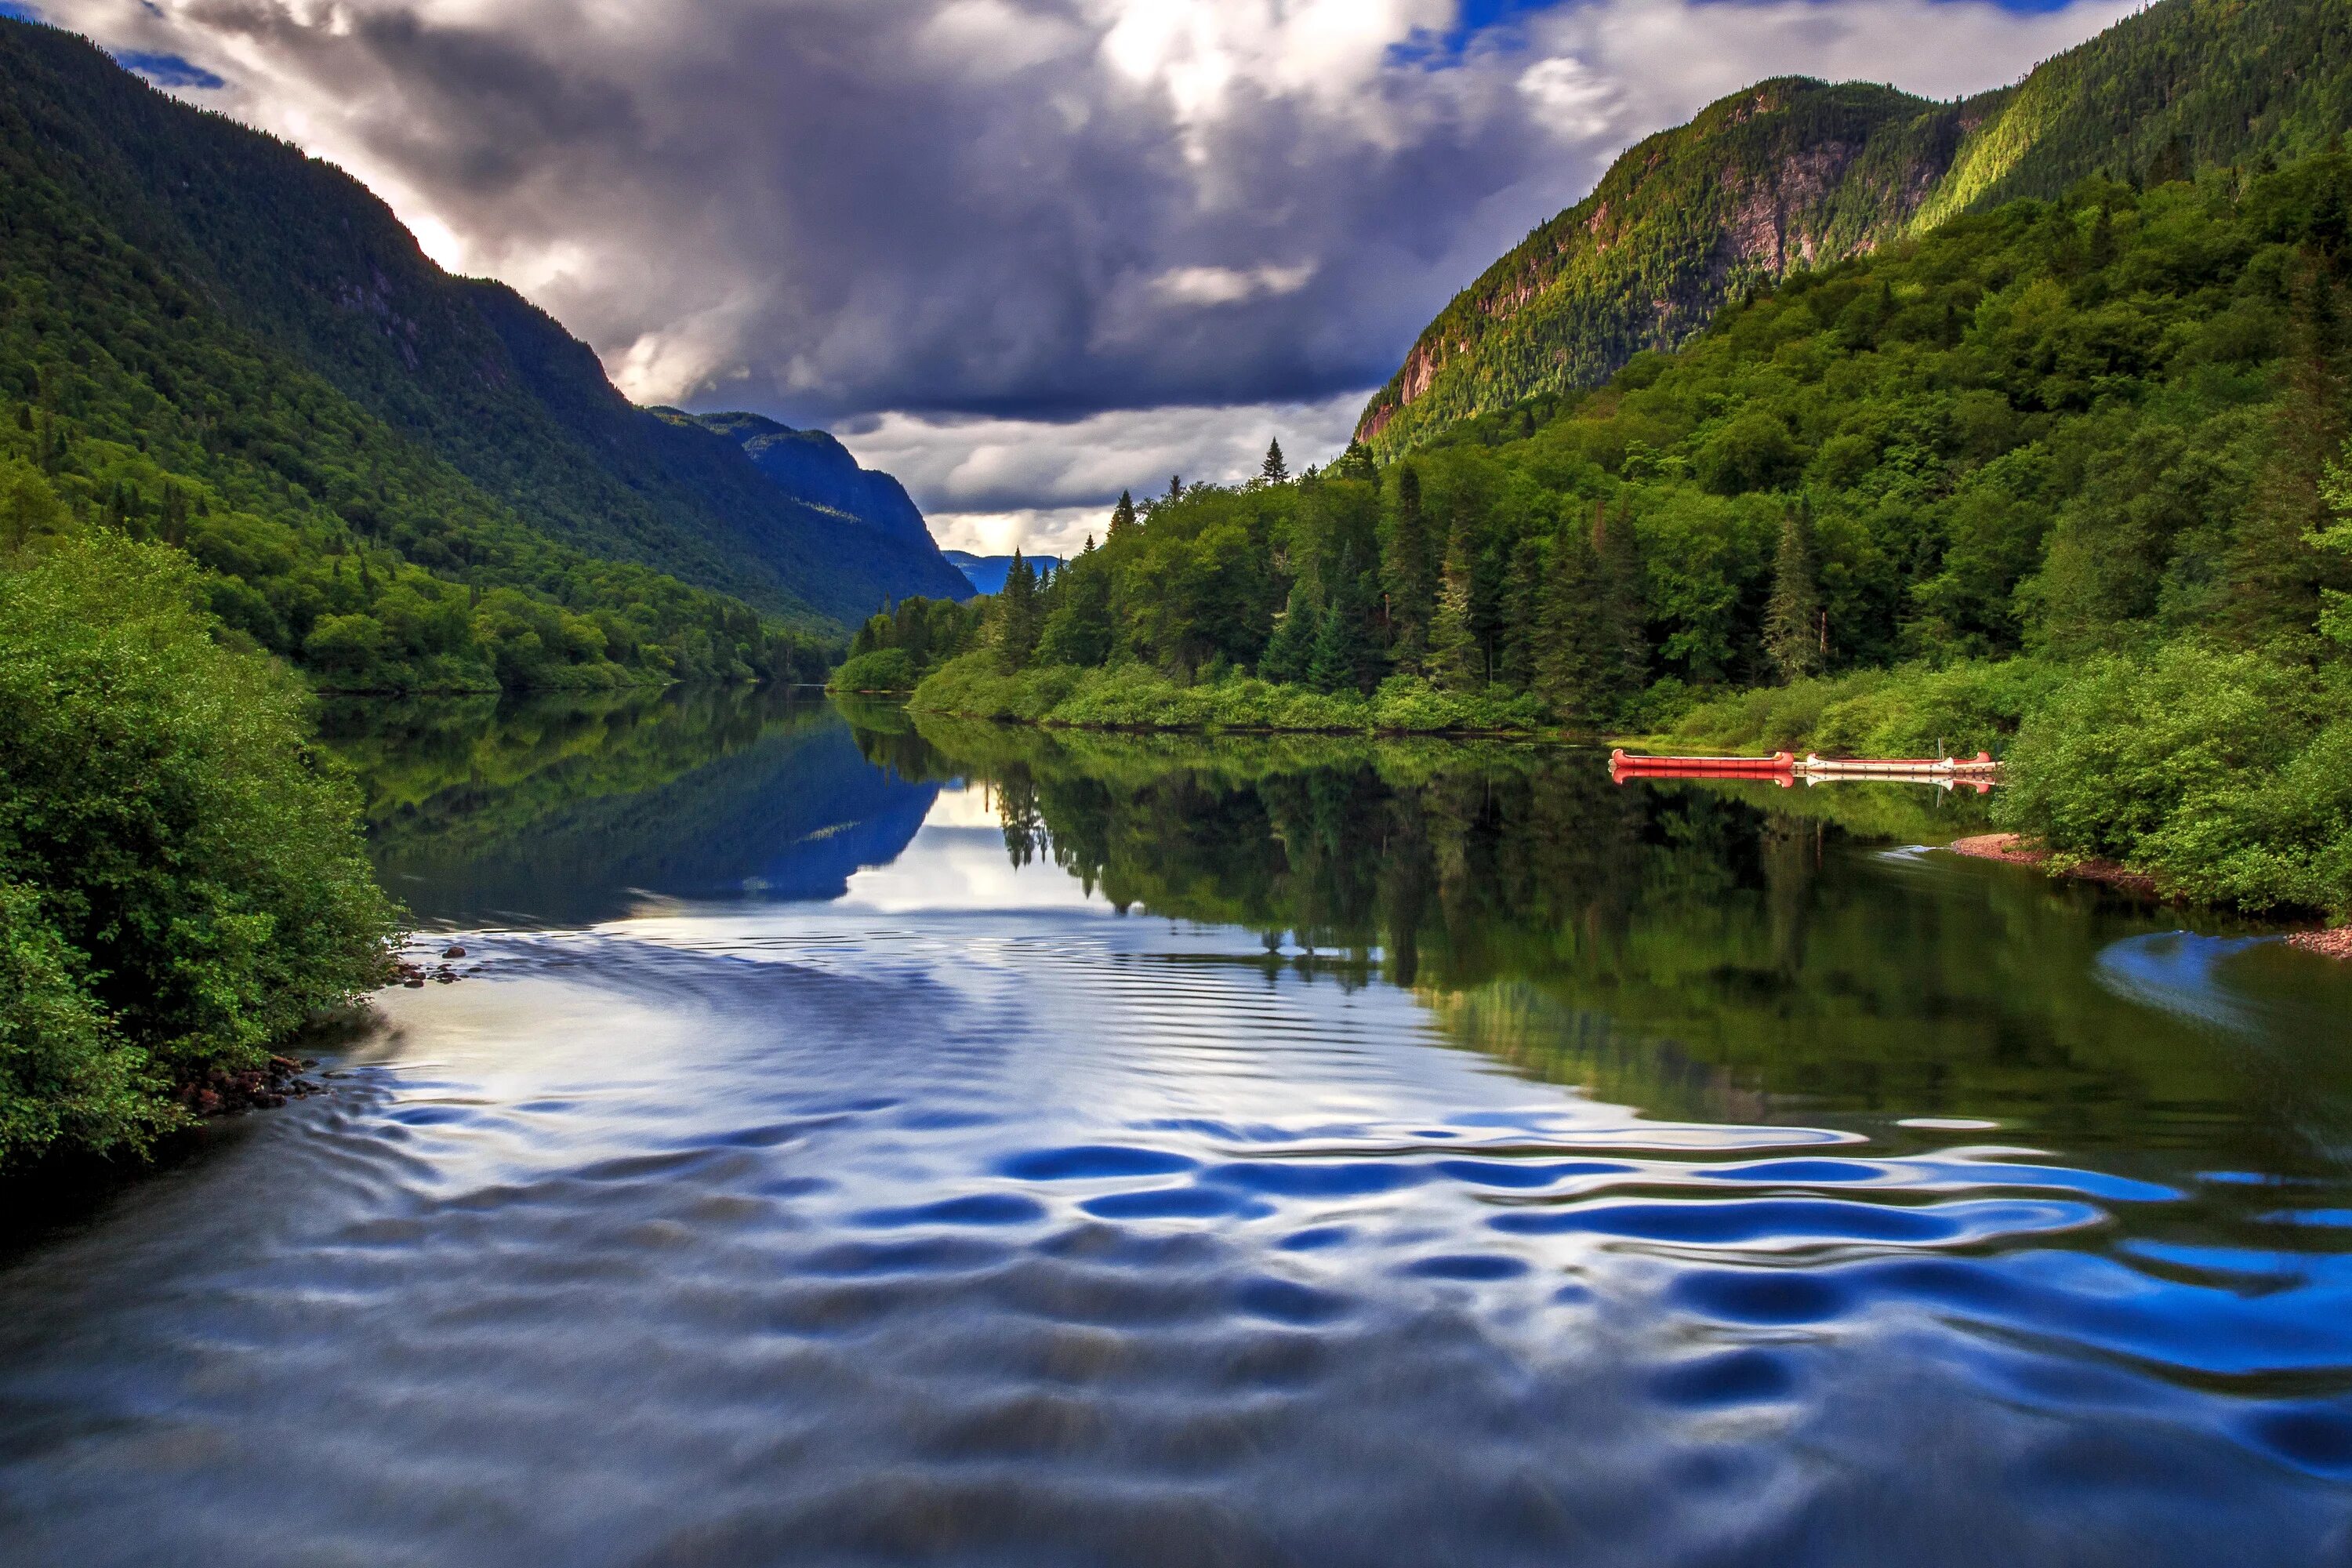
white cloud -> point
(990, 485)
(987, 232)
(1229, 285)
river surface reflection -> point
(867, 1141)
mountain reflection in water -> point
(877, 1140)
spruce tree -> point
(1122, 516)
(2276, 578)
(1456, 662)
(1346, 657)
(1017, 617)
(1522, 616)
(1623, 666)
(1291, 650)
(1794, 631)
(1412, 574)
(1273, 470)
(1570, 656)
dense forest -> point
(1794, 173)
(2060, 459)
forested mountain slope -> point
(2068, 478)
(1795, 172)
(310, 270)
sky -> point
(1024, 254)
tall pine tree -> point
(1122, 516)
(1273, 470)
(1624, 634)
(1017, 618)
(1522, 616)
(2276, 575)
(1796, 636)
(1455, 661)
(1347, 655)
(1570, 659)
(1290, 651)
(1412, 574)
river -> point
(855, 1139)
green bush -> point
(885, 669)
(1905, 712)
(65, 1074)
(2226, 775)
(184, 878)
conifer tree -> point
(1522, 602)
(1346, 657)
(1411, 573)
(1623, 666)
(2276, 576)
(1017, 617)
(1456, 662)
(1794, 631)
(1569, 658)
(1291, 649)
(1273, 470)
(1122, 516)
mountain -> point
(1794, 173)
(818, 470)
(300, 267)
(986, 573)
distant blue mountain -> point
(987, 571)
(814, 468)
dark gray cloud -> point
(1092, 220)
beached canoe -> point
(1777, 763)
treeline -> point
(2056, 432)
(893, 649)
(128, 402)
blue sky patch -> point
(168, 70)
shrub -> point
(2226, 775)
(187, 883)
(885, 669)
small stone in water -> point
(453, 952)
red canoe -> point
(1778, 764)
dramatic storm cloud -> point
(1025, 252)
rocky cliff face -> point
(1786, 173)
(1797, 173)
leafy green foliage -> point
(883, 669)
(207, 338)
(182, 880)
(1911, 492)
(893, 650)
(2057, 426)
(2228, 775)
(1791, 173)
(1132, 696)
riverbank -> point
(2015, 850)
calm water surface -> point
(859, 1141)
